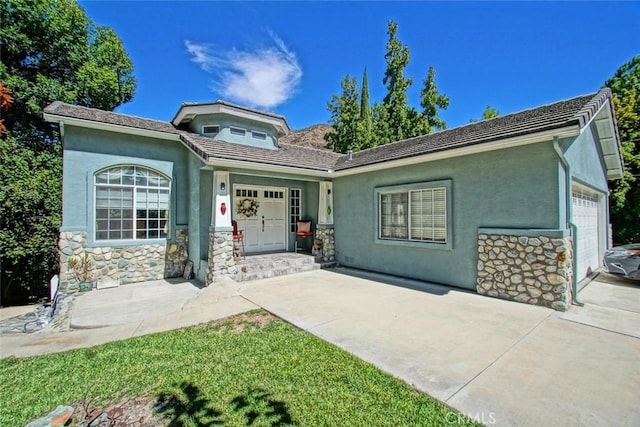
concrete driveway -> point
(500, 362)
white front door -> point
(264, 228)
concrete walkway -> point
(98, 317)
(500, 362)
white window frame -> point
(237, 131)
(258, 135)
(294, 217)
(204, 131)
(134, 188)
(408, 241)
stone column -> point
(326, 234)
(534, 270)
(220, 261)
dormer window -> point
(258, 135)
(210, 129)
(237, 131)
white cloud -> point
(263, 77)
(200, 54)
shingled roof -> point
(576, 111)
(93, 114)
(287, 155)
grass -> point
(248, 369)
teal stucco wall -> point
(585, 156)
(510, 188)
(226, 121)
(87, 151)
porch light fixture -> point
(223, 186)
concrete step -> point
(258, 267)
(274, 272)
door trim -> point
(260, 189)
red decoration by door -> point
(223, 208)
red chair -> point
(238, 236)
(303, 230)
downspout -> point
(570, 223)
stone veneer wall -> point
(220, 260)
(326, 235)
(128, 264)
(534, 270)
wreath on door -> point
(248, 207)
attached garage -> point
(590, 219)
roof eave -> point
(544, 136)
(266, 167)
(605, 125)
(91, 124)
(187, 112)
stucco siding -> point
(206, 205)
(87, 151)
(585, 157)
(226, 121)
(511, 188)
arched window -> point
(132, 202)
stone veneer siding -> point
(128, 264)
(326, 235)
(220, 260)
(534, 270)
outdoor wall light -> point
(223, 186)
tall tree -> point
(50, 51)
(625, 193)
(366, 123)
(392, 119)
(345, 118)
(431, 101)
(395, 101)
(5, 101)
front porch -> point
(263, 266)
(264, 215)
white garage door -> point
(587, 217)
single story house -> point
(513, 207)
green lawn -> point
(244, 369)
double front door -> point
(261, 214)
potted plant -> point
(82, 268)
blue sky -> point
(289, 57)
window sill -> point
(415, 244)
(109, 243)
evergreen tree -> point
(392, 119)
(345, 118)
(625, 193)
(398, 113)
(431, 101)
(366, 124)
